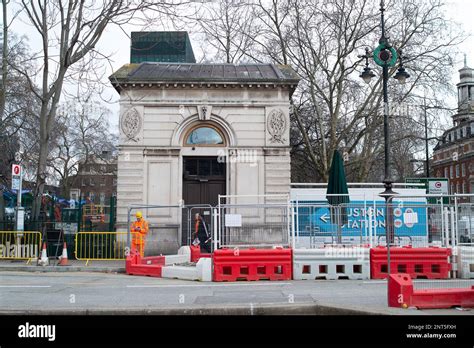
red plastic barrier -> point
(402, 295)
(427, 263)
(196, 253)
(144, 266)
(252, 264)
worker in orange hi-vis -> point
(139, 230)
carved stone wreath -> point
(131, 124)
(276, 125)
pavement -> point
(73, 266)
(110, 293)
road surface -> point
(77, 292)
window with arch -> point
(204, 135)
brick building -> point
(96, 179)
(454, 154)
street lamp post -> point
(386, 57)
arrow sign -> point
(325, 218)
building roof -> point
(204, 73)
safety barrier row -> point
(252, 264)
(402, 295)
(331, 263)
(20, 245)
(465, 258)
(105, 246)
(427, 263)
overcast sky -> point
(116, 42)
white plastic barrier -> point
(202, 271)
(466, 261)
(331, 263)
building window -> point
(451, 172)
(115, 182)
(464, 187)
(204, 136)
(446, 172)
(92, 196)
(452, 189)
(457, 171)
(102, 181)
(83, 182)
(103, 169)
(463, 169)
(458, 188)
(102, 198)
(91, 182)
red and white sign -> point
(16, 170)
(438, 187)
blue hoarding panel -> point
(410, 219)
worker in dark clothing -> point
(202, 234)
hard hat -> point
(138, 214)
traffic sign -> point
(16, 170)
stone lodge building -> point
(189, 132)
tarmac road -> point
(97, 293)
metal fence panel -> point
(171, 227)
(20, 245)
(254, 225)
(104, 246)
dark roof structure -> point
(166, 73)
(161, 46)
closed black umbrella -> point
(337, 192)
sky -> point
(116, 42)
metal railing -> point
(20, 245)
(103, 246)
(252, 225)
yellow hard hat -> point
(138, 214)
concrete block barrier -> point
(177, 259)
(331, 263)
(201, 272)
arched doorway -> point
(204, 164)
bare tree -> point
(333, 108)
(228, 27)
(69, 31)
(81, 132)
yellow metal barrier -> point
(20, 245)
(101, 246)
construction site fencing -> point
(20, 245)
(414, 221)
(315, 225)
(173, 226)
(93, 246)
(440, 226)
(252, 225)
